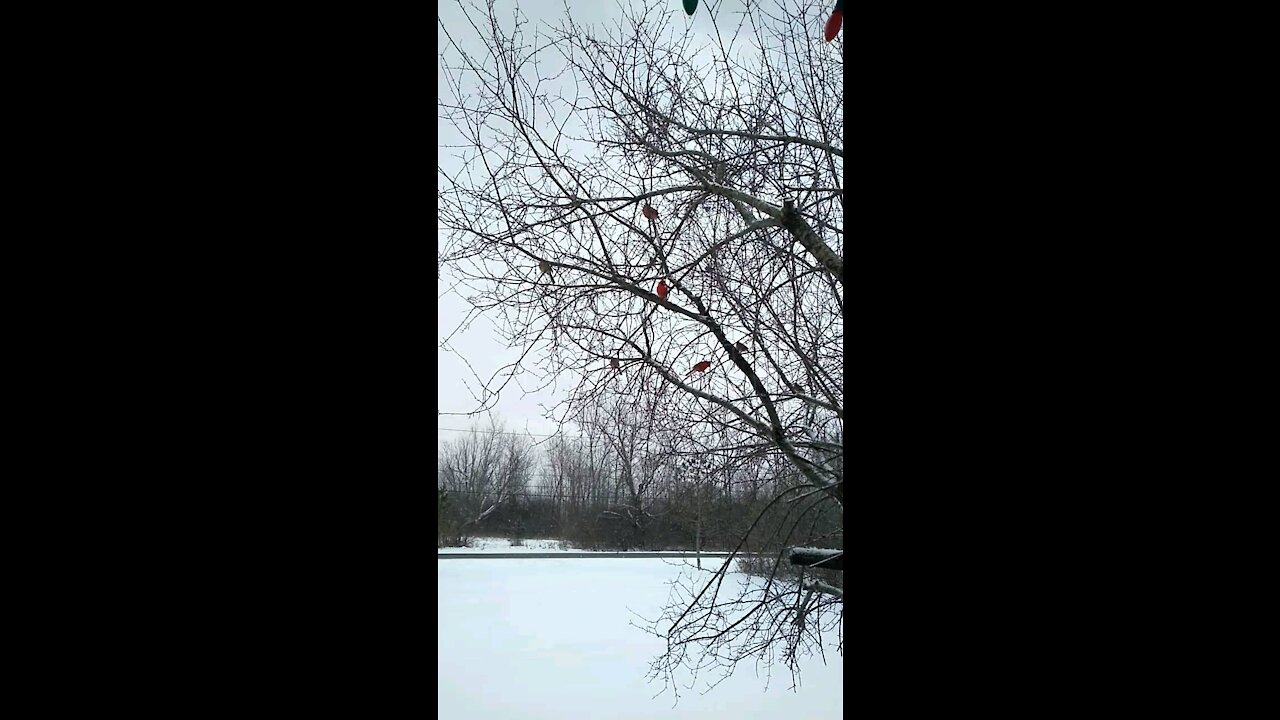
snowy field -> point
(503, 545)
(552, 639)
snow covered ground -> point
(552, 639)
(503, 545)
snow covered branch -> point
(814, 584)
(817, 558)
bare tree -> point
(658, 213)
(580, 480)
(635, 440)
(480, 471)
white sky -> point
(519, 410)
(485, 353)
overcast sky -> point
(519, 409)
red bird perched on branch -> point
(649, 212)
(663, 289)
(834, 22)
(700, 367)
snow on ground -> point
(552, 639)
(503, 545)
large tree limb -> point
(817, 558)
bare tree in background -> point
(657, 213)
(638, 446)
(480, 471)
(579, 482)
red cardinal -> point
(663, 289)
(834, 22)
(700, 367)
(649, 212)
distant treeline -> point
(597, 493)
